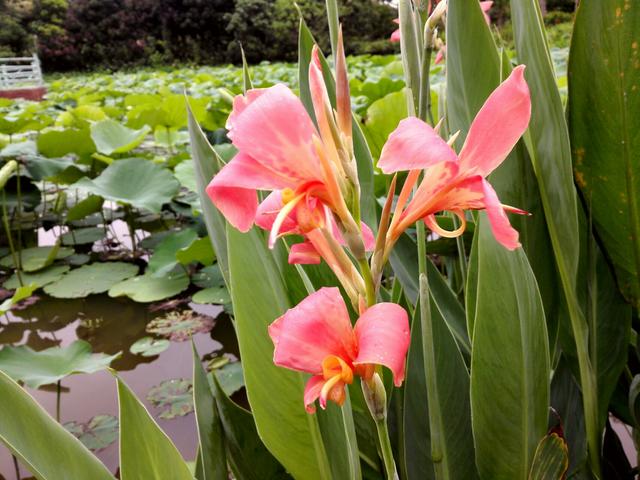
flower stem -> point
(387, 453)
(58, 392)
(370, 288)
(7, 227)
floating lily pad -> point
(230, 377)
(41, 278)
(147, 288)
(77, 259)
(174, 396)
(200, 251)
(48, 366)
(82, 236)
(110, 136)
(164, 259)
(186, 174)
(89, 279)
(97, 434)
(37, 258)
(180, 326)
(134, 181)
(215, 295)
(208, 277)
(149, 346)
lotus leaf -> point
(90, 279)
(58, 143)
(173, 396)
(97, 434)
(41, 278)
(230, 377)
(149, 346)
(113, 137)
(180, 326)
(36, 258)
(133, 181)
(82, 236)
(199, 250)
(217, 295)
(148, 288)
(48, 366)
(164, 258)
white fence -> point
(20, 72)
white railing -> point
(20, 72)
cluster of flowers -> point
(310, 169)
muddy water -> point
(111, 326)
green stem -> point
(385, 447)
(58, 391)
(131, 226)
(424, 108)
(7, 228)
(462, 256)
(370, 288)
(16, 466)
(19, 192)
(421, 238)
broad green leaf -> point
(604, 80)
(275, 393)
(210, 433)
(207, 163)
(36, 258)
(148, 288)
(547, 141)
(91, 279)
(97, 434)
(230, 377)
(509, 362)
(111, 137)
(29, 432)
(247, 455)
(200, 251)
(58, 143)
(145, 450)
(83, 236)
(218, 295)
(48, 366)
(551, 460)
(57, 170)
(382, 118)
(185, 172)
(164, 258)
(149, 346)
(91, 204)
(40, 278)
(174, 397)
(133, 181)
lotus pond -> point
(108, 262)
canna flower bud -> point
(376, 397)
(437, 15)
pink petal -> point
(414, 145)
(240, 102)
(367, 236)
(317, 327)
(486, 6)
(395, 36)
(440, 55)
(268, 211)
(501, 121)
(312, 392)
(502, 229)
(383, 338)
(304, 254)
(275, 129)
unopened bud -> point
(376, 397)
(437, 14)
(6, 171)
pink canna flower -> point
(486, 6)
(457, 182)
(395, 35)
(316, 337)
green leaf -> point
(111, 137)
(551, 460)
(509, 361)
(164, 258)
(58, 143)
(275, 393)
(29, 432)
(247, 455)
(149, 346)
(145, 450)
(210, 435)
(230, 377)
(91, 279)
(83, 236)
(91, 204)
(207, 163)
(20, 294)
(217, 295)
(48, 366)
(200, 251)
(180, 326)
(37, 258)
(133, 181)
(382, 118)
(173, 396)
(148, 288)
(97, 434)
(40, 279)
(604, 80)
(185, 172)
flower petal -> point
(395, 36)
(502, 229)
(317, 327)
(312, 392)
(501, 121)
(275, 129)
(486, 6)
(268, 211)
(383, 338)
(304, 254)
(414, 145)
(367, 237)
